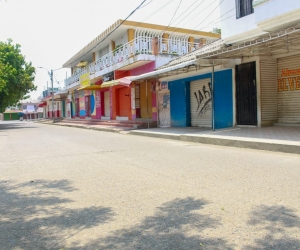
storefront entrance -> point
(88, 106)
(246, 99)
(201, 103)
(164, 109)
(77, 107)
(106, 105)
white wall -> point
(269, 16)
(274, 8)
(232, 27)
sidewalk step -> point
(113, 123)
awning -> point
(90, 87)
(125, 81)
(109, 84)
(274, 44)
(161, 71)
(42, 104)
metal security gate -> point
(288, 81)
(164, 109)
(268, 92)
(201, 103)
(246, 100)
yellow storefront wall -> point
(143, 100)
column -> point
(165, 41)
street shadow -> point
(10, 126)
(34, 215)
(275, 223)
(177, 224)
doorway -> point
(246, 96)
(164, 109)
(106, 104)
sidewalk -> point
(276, 138)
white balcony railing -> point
(140, 45)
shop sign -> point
(84, 80)
(290, 80)
(108, 77)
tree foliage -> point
(16, 75)
(217, 30)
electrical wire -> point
(191, 18)
(146, 4)
(173, 16)
(111, 31)
(155, 12)
(241, 2)
(210, 13)
(188, 9)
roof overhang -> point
(178, 69)
(90, 87)
(276, 44)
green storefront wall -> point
(11, 116)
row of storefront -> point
(208, 91)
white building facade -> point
(264, 34)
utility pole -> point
(51, 77)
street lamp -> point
(51, 78)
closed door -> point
(201, 103)
(246, 101)
(124, 102)
(164, 109)
(106, 104)
(145, 100)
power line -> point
(146, 4)
(191, 18)
(156, 11)
(241, 2)
(213, 22)
(211, 12)
(173, 16)
(188, 9)
(111, 31)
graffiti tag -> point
(203, 98)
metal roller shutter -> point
(288, 89)
(268, 83)
(201, 106)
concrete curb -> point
(275, 147)
(258, 145)
(86, 127)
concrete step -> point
(115, 123)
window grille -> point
(244, 8)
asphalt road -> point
(70, 188)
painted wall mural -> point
(204, 98)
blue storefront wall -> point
(180, 99)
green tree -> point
(16, 75)
(216, 30)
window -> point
(243, 8)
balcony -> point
(141, 49)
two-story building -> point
(101, 85)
